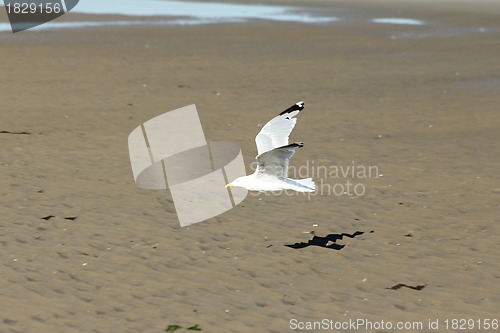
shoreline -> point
(355, 16)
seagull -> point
(274, 153)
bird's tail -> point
(307, 184)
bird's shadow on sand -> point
(329, 241)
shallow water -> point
(201, 13)
(191, 12)
(168, 13)
(118, 23)
(405, 21)
(200, 10)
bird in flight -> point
(273, 155)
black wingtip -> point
(299, 106)
(294, 145)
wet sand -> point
(86, 250)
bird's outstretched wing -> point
(275, 133)
(275, 162)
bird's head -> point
(238, 182)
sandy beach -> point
(86, 250)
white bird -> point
(273, 156)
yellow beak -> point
(229, 185)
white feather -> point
(275, 133)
